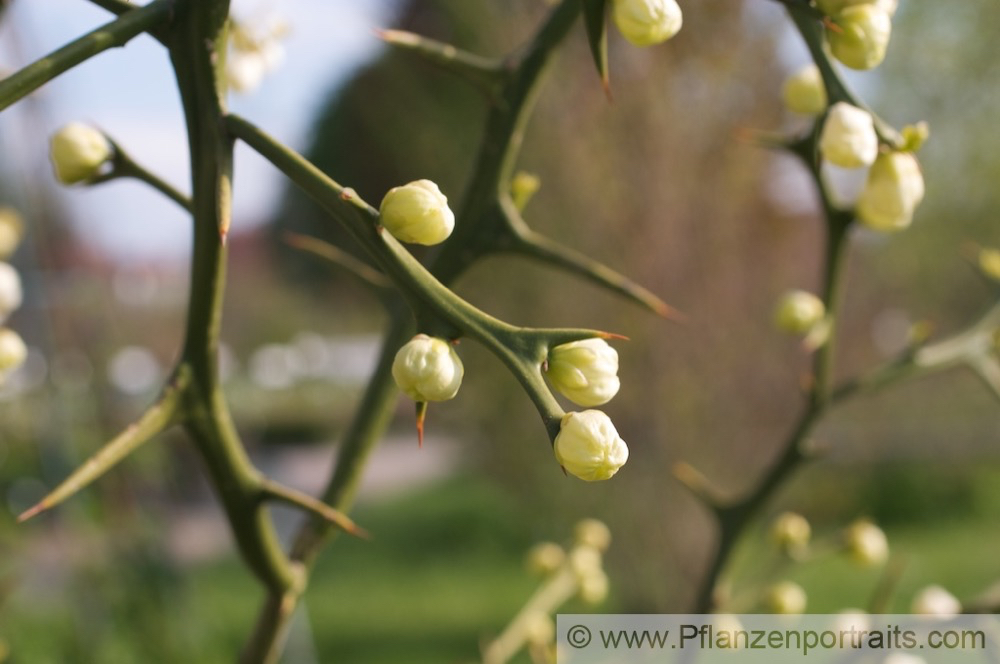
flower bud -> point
(989, 262)
(791, 532)
(594, 587)
(903, 658)
(539, 629)
(804, 91)
(848, 138)
(545, 558)
(936, 601)
(647, 22)
(78, 152)
(785, 597)
(428, 369)
(833, 7)
(586, 372)
(593, 533)
(798, 312)
(589, 447)
(10, 290)
(861, 36)
(11, 231)
(892, 192)
(13, 352)
(866, 543)
(417, 213)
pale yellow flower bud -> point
(539, 630)
(11, 231)
(866, 543)
(545, 558)
(848, 138)
(803, 92)
(594, 588)
(862, 36)
(11, 293)
(798, 312)
(586, 371)
(589, 447)
(936, 601)
(892, 192)
(584, 561)
(785, 597)
(647, 22)
(78, 152)
(833, 7)
(417, 213)
(790, 532)
(903, 658)
(13, 352)
(593, 533)
(989, 262)
(428, 369)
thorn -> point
(696, 483)
(612, 335)
(33, 511)
(831, 25)
(664, 310)
(224, 234)
(606, 84)
(421, 414)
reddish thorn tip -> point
(27, 514)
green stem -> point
(116, 33)
(125, 167)
(197, 48)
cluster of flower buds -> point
(584, 560)
(859, 30)
(254, 51)
(79, 153)
(586, 372)
(13, 352)
(647, 22)
(894, 186)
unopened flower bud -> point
(803, 92)
(11, 293)
(428, 369)
(585, 371)
(785, 597)
(861, 36)
(539, 629)
(791, 532)
(892, 192)
(866, 543)
(522, 187)
(798, 312)
(592, 533)
(915, 135)
(989, 262)
(589, 447)
(647, 22)
(903, 658)
(11, 231)
(594, 587)
(417, 213)
(78, 152)
(545, 558)
(584, 561)
(848, 138)
(13, 352)
(833, 7)
(852, 621)
(936, 601)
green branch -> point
(116, 33)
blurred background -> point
(659, 183)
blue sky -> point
(130, 94)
